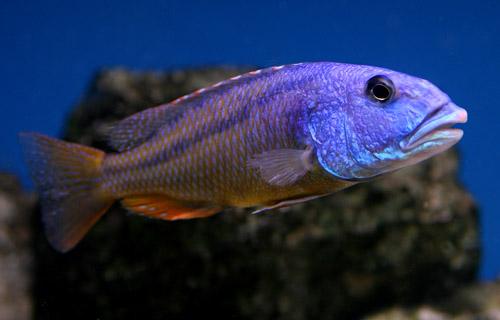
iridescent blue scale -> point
(269, 138)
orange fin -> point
(161, 207)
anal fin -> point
(162, 207)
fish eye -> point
(380, 88)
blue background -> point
(49, 51)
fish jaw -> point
(435, 133)
(431, 137)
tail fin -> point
(67, 178)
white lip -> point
(437, 128)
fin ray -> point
(162, 207)
(138, 128)
(66, 176)
(287, 203)
(283, 167)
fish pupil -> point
(381, 92)
(380, 88)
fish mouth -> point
(436, 129)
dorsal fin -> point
(231, 80)
(139, 127)
(162, 207)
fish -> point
(266, 139)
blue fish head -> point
(366, 121)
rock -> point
(421, 313)
(406, 238)
(15, 250)
(478, 301)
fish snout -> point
(437, 127)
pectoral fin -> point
(282, 167)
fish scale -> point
(269, 138)
(227, 118)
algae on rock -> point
(16, 255)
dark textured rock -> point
(476, 302)
(405, 238)
(16, 255)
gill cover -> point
(336, 150)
